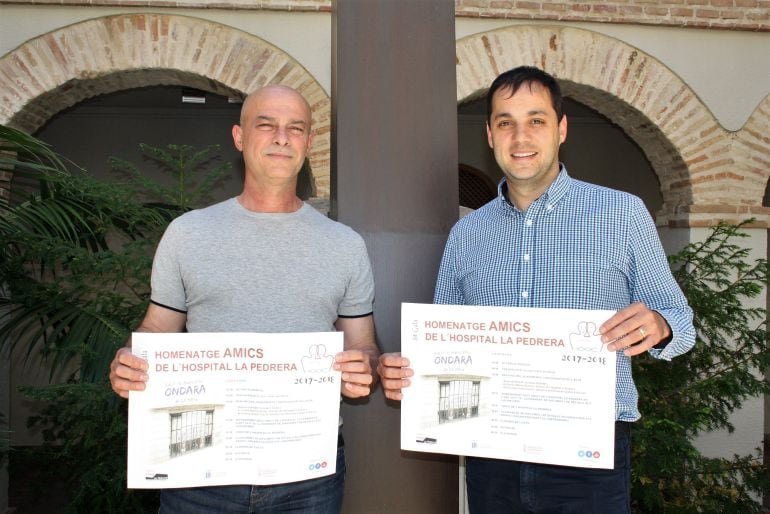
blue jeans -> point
(507, 487)
(317, 496)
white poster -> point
(234, 408)
(534, 385)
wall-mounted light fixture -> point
(193, 96)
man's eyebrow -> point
(533, 112)
(263, 117)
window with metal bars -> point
(458, 399)
(191, 430)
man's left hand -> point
(356, 368)
(634, 330)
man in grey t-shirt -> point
(263, 262)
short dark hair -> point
(513, 79)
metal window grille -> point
(458, 399)
(191, 431)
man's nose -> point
(281, 136)
(520, 133)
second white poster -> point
(534, 385)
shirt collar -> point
(553, 195)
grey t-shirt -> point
(233, 270)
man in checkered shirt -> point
(550, 241)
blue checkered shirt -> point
(578, 246)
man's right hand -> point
(394, 371)
(127, 372)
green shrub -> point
(698, 391)
(75, 260)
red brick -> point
(707, 13)
(604, 8)
(758, 16)
(475, 3)
(728, 175)
(656, 11)
(731, 14)
(629, 9)
(533, 6)
(558, 7)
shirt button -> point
(526, 257)
(524, 294)
(549, 207)
(529, 223)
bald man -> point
(247, 265)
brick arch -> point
(704, 170)
(113, 53)
(752, 152)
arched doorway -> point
(695, 159)
(117, 53)
(596, 150)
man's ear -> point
(310, 139)
(238, 137)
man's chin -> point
(283, 174)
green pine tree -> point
(697, 392)
(75, 261)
